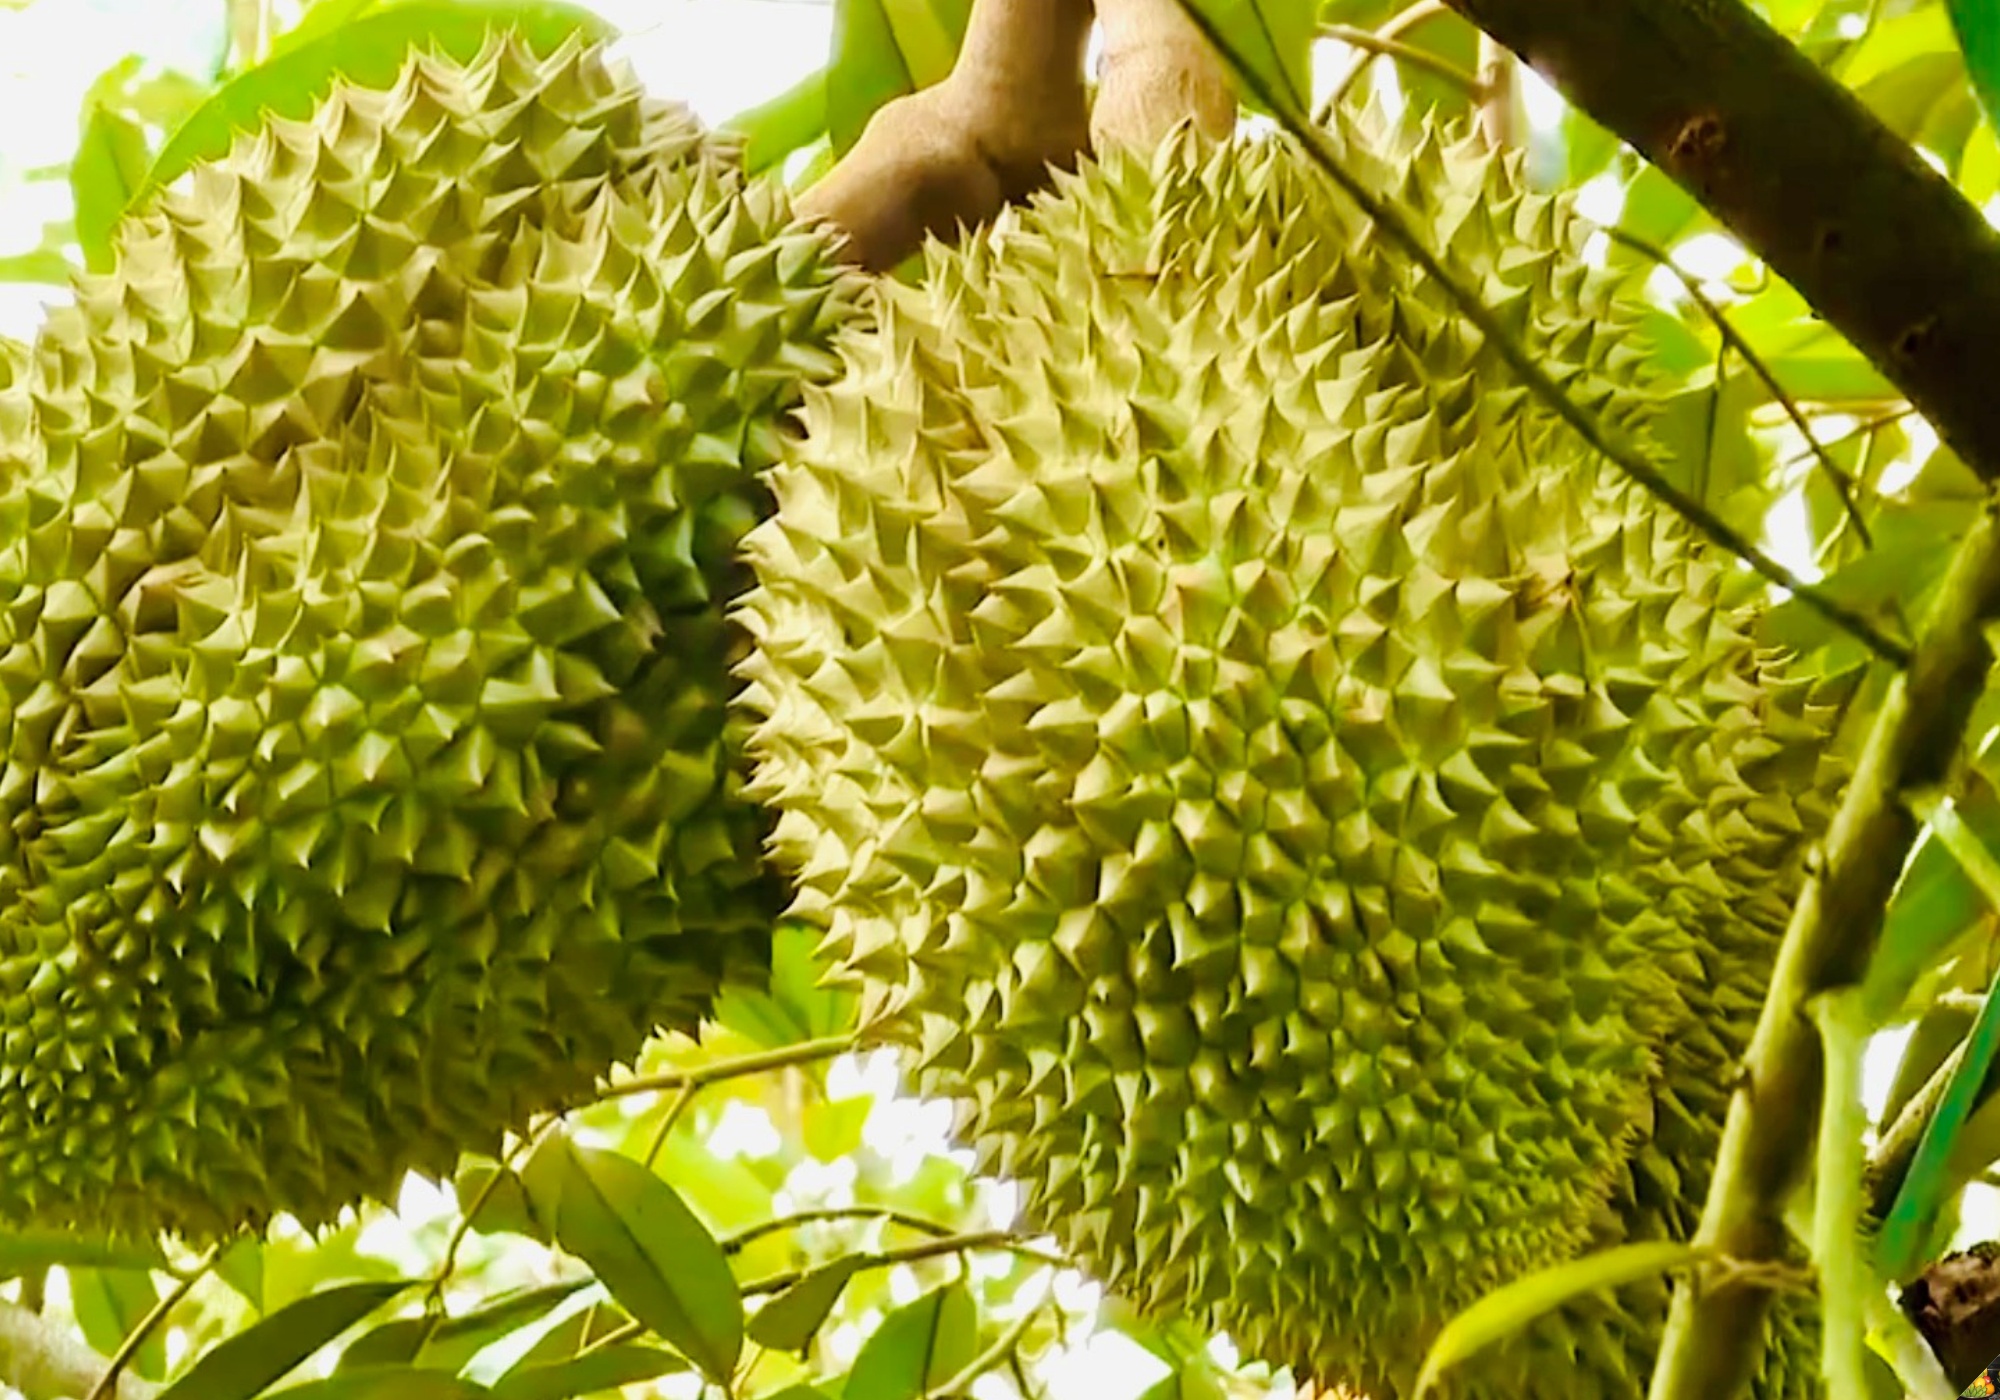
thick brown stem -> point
(1157, 72)
(953, 155)
(1881, 244)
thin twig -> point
(1391, 221)
(736, 1243)
(1843, 482)
(1385, 39)
(1004, 1240)
(434, 1294)
(683, 1097)
(784, 1057)
(1374, 45)
(107, 1384)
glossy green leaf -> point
(245, 1364)
(792, 120)
(505, 1208)
(647, 1247)
(1269, 45)
(109, 1304)
(1976, 23)
(883, 49)
(918, 1346)
(604, 1369)
(370, 48)
(1506, 1310)
(241, 1266)
(448, 1344)
(791, 1320)
(109, 168)
(386, 1383)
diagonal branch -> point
(1715, 1330)
(1876, 240)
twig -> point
(107, 1384)
(736, 1243)
(434, 1294)
(1386, 39)
(1843, 483)
(1391, 221)
(926, 1249)
(1714, 1333)
(760, 1062)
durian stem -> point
(1599, 436)
(1812, 182)
(954, 154)
(44, 1360)
(1715, 1329)
(1157, 72)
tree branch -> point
(44, 1360)
(1157, 72)
(1715, 1330)
(954, 154)
(1879, 243)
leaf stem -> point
(806, 1052)
(107, 1384)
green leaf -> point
(1900, 1246)
(109, 1304)
(604, 1369)
(26, 1250)
(1269, 45)
(448, 1344)
(242, 1268)
(790, 1321)
(109, 167)
(1193, 1380)
(645, 1245)
(1508, 1309)
(369, 49)
(791, 121)
(883, 49)
(917, 1347)
(386, 1383)
(245, 1364)
(506, 1209)
(1977, 25)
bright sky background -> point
(720, 56)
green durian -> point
(1320, 824)
(363, 664)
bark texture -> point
(1882, 245)
(952, 155)
(1157, 72)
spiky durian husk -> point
(363, 669)
(1318, 821)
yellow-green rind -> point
(369, 784)
(1319, 823)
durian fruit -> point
(363, 668)
(1319, 822)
